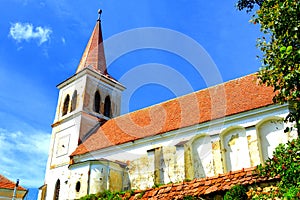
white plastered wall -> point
(239, 130)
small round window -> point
(77, 186)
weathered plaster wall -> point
(166, 165)
(235, 146)
(79, 86)
(217, 156)
(89, 178)
(160, 165)
(78, 174)
(71, 127)
(105, 90)
(202, 157)
(253, 146)
(191, 152)
(188, 162)
(141, 172)
(271, 135)
(116, 180)
(98, 178)
(61, 173)
(179, 170)
(63, 145)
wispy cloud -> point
(24, 138)
(26, 31)
(63, 40)
(23, 156)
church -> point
(227, 127)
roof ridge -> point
(185, 95)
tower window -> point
(74, 101)
(66, 105)
(77, 187)
(107, 107)
(97, 102)
(57, 189)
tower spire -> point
(93, 55)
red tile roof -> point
(8, 184)
(236, 96)
(204, 186)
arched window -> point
(74, 101)
(56, 190)
(202, 156)
(77, 187)
(271, 134)
(97, 102)
(66, 105)
(107, 107)
(235, 149)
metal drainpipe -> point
(107, 176)
(15, 190)
(88, 181)
(123, 180)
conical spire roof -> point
(93, 55)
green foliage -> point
(292, 193)
(190, 198)
(89, 197)
(109, 195)
(279, 21)
(237, 192)
(157, 185)
(259, 193)
(248, 4)
(286, 163)
(141, 195)
(106, 195)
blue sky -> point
(41, 43)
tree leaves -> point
(280, 20)
(286, 163)
(248, 4)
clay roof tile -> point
(93, 55)
(5, 183)
(226, 99)
(204, 186)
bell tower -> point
(86, 100)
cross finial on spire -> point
(99, 14)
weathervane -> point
(99, 14)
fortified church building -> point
(223, 128)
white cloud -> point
(26, 31)
(63, 40)
(24, 155)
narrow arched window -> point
(202, 156)
(107, 107)
(97, 102)
(235, 149)
(56, 190)
(66, 105)
(74, 101)
(77, 187)
(270, 134)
